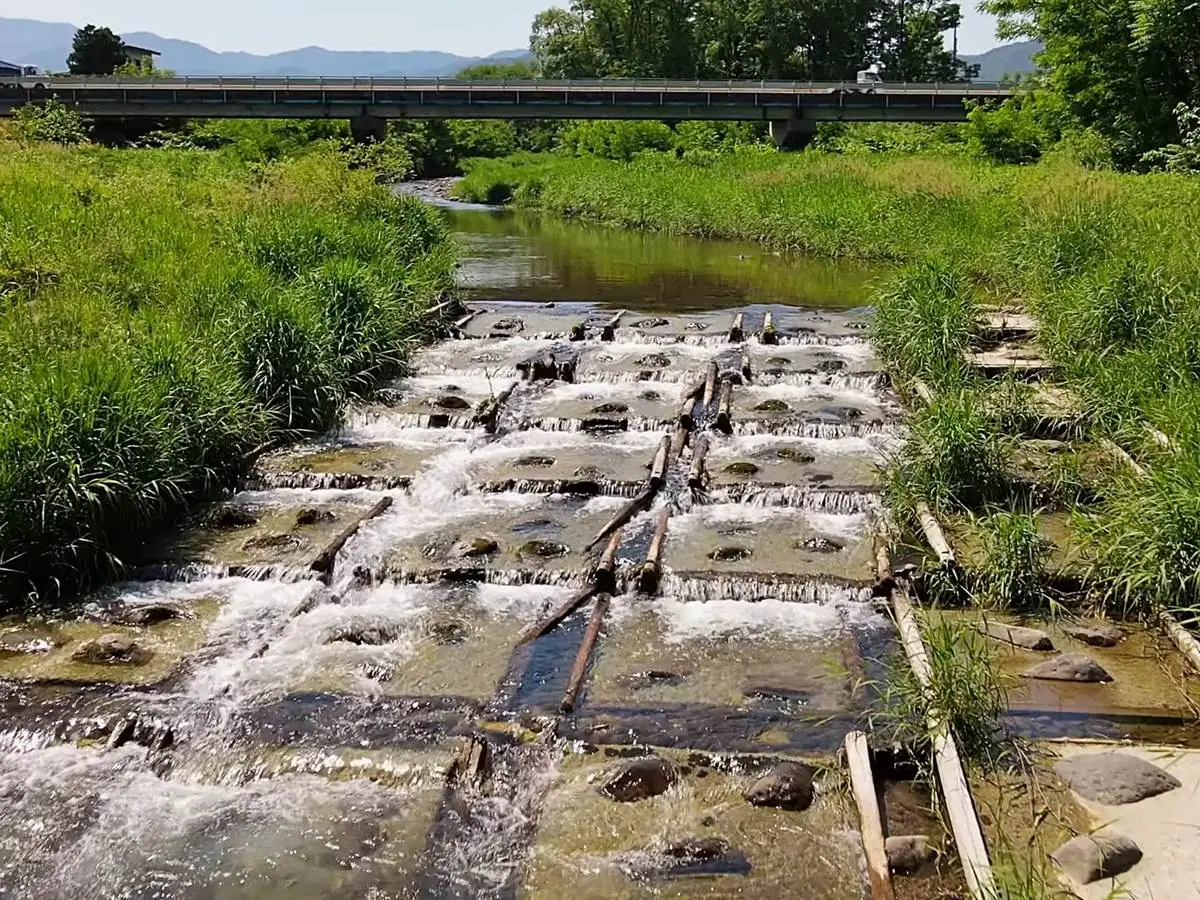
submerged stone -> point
(730, 554)
(273, 540)
(592, 473)
(640, 779)
(534, 462)
(1096, 634)
(605, 409)
(1017, 636)
(787, 786)
(767, 690)
(655, 322)
(474, 547)
(544, 549)
(829, 366)
(1091, 857)
(312, 516)
(778, 361)
(654, 361)
(650, 396)
(448, 633)
(230, 517)
(908, 854)
(741, 468)
(145, 614)
(535, 525)
(112, 650)
(819, 544)
(363, 635)
(1114, 778)
(736, 531)
(696, 848)
(842, 413)
(452, 402)
(696, 326)
(795, 455)
(640, 681)
(1069, 667)
(512, 325)
(26, 641)
(772, 406)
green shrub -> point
(620, 141)
(52, 122)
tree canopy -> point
(95, 51)
(819, 40)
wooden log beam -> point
(964, 824)
(935, 536)
(736, 333)
(747, 368)
(658, 466)
(579, 670)
(578, 332)
(550, 621)
(697, 477)
(462, 323)
(870, 822)
(679, 441)
(710, 385)
(638, 504)
(651, 573)
(326, 559)
(768, 334)
(686, 418)
(885, 581)
(487, 412)
(725, 408)
(605, 577)
(1182, 638)
(609, 331)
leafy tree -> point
(497, 71)
(95, 51)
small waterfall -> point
(602, 487)
(848, 500)
(820, 430)
(600, 425)
(317, 481)
(196, 571)
(690, 588)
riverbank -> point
(1108, 263)
(166, 313)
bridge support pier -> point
(794, 133)
(365, 129)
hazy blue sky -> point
(467, 27)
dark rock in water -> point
(774, 373)
(112, 650)
(829, 366)
(1017, 636)
(640, 681)
(486, 357)
(513, 326)
(781, 361)
(452, 402)
(363, 635)
(312, 516)
(794, 455)
(741, 468)
(736, 531)
(375, 672)
(654, 361)
(1069, 667)
(651, 323)
(787, 786)
(1114, 778)
(582, 488)
(535, 525)
(764, 690)
(544, 549)
(696, 848)
(145, 614)
(772, 406)
(819, 478)
(650, 396)
(448, 633)
(730, 554)
(1097, 634)
(1091, 857)
(708, 821)
(842, 413)
(592, 473)
(273, 540)
(606, 409)
(474, 547)
(27, 641)
(819, 544)
(640, 779)
(908, 854)
(696, 326)
(534, 462)
(230, 517)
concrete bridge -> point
(792, 108)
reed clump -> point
(165, 313)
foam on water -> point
(689, 621)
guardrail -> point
(220, 82)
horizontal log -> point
(609, 331)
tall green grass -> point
(165, 313)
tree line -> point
(818, 40)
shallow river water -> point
(281, 726)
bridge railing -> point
(295, 82)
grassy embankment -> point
(165, 313)
(1109, 263)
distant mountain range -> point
(1009, 59)
(47, 44)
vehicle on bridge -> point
(868, 79)
(23, 76)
